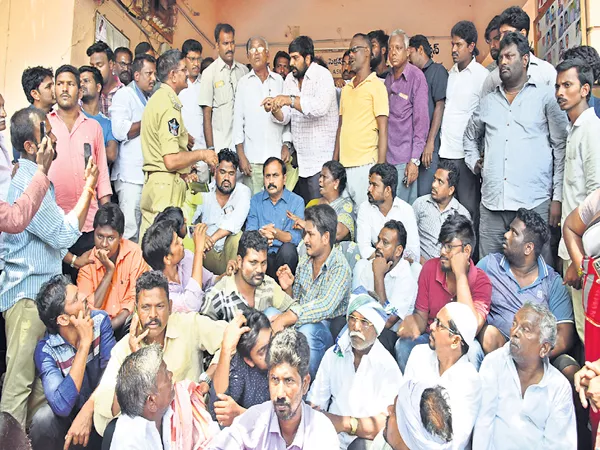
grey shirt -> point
(524, 146)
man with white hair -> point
(357, 378)
(445, 362)
(526, 402)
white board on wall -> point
(107, 32)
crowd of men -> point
(201, 254)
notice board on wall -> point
(558, 27)
(107, 32)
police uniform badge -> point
(174, 127)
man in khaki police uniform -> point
(217, 91)
(165, 142)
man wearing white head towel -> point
(444, 361)
(358, 378)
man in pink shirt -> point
(74, 131)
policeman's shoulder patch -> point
(174, 127)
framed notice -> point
(107, 32)
(558, 27)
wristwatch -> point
(292, 99)
(415, 161)
(205, 378)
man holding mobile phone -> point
(74, 130)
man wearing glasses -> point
(450, 278)
(122, 67)
(192, 112)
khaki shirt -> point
(163, 132)
(217, 90)
(187, 336)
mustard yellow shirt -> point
(359, 108)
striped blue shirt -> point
(36, 254)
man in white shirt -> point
(391, 277)
(255, 135)
(465, 79)
(383, 205)
(540, 71)
(444, 361)
(582, 159)
(193, 118)
(357, 379)
(224, 209)
(126, 113)
(526, 402)
(309, 103)
(217, 90)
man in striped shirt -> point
(32, 257)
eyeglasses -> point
(356, 48)
(253, 50)
(194, 60)
(353, 320)
(124, 64)
(449, 247)
(439, 324)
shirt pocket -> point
(222, 93)
(530, 121)
(400, 105)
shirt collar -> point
(542, 269)
(222, 64)
(469, 67)
(588, 114)
(298, 441)
(440, 276)
(452, 205)
(172, 330)
(190, 83)
(81, 118)
(427, 64)
(285, 197)
(28, 167)
(372, 76)
(270, 74)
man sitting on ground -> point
(184, 337)
(70, 359)
(224, 209)
(109, 281)
(451, 277)
(526, 402)
(249, 286)
(357, 363)
(520, 274)
(390, 276)
(321, 286)
(445, 362)
(285, 421)
(241, 379)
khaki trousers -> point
(216, 262)
(22, 393)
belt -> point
(161, 171)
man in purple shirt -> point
(285, 422)
(70, 359)
(408, 124)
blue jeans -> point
(408, 194)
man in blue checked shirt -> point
(70, 359)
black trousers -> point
(83, 244)
(308, 188)
(287, 254)
(48, 431)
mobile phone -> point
(191, 230)
(43, 134)
(87, 153)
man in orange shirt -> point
(116, 263)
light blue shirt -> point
(34, 255)
(524, 146)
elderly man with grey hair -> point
(526, 402)
(255, 135)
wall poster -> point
(558, 27)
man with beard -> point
(103, 59)
(38, 85)
(255, 135)
(445, 362)
(526, 402)
(224, 210)
(285, 421)
(122, 66)
(492, 38)
(75, 132)
(450, 278)
(362, 136)
(91, 87)
(309, 104)
(523, 165)
(184, 338)
(191, 112)
(269, 214)
(217, 90)
(379, 56)
(520, 274)
(126, 110)
(248, 285)
(357, 363)
(281, 63)
(391, 277)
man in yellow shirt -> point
(362, 131)
(165, 142)
(184, 338)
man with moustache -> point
(184, 338)
(285, 421)
(192, 115)
(357, 363)
(492, 38)
(122, 66)
(523, 132)
(224, 210)
(103, 59)
(281, 63)
(126, 111)
(74, 131)
(380, 52)
(218, 90)
(309, 104)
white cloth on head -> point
(370, 308)
(410, 424)
(465, 320)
